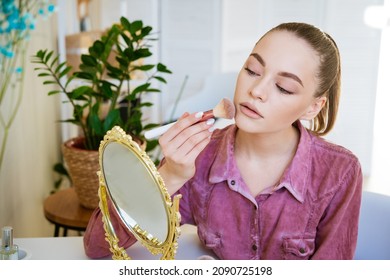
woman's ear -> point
(313, 110)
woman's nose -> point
(260, 89)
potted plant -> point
(102, 95)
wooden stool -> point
(64, 210)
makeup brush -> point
(224, 109)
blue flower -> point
(17, 20)
(51, 8)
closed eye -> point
(282, 90)
(250, 72)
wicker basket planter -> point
(83, 166)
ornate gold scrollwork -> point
(115, 160)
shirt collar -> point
(294, 178)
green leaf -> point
(106, 90)
(151, 125)
(47, 57)
(95, 123)
(59, 67)
(153, 90)
(49, 82)
(151, 145)
(55, 60)
(129, 54)
(161, 79)
(60, 169)
(146, 31)
(88, 60)
(44, 74)
(123, 62)
(141, 53)
(80, 91)
(135, 26)
(146, 104)
(69, 81)
(140, 88)
(54, 92)
(82, 75)
(65, 71)
(92, 70)
(97, 48)
(112, 119)
(127, 40)
(125, 23)
(162, 68)
(114, 72)
(145, 67)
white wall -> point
(26, 178)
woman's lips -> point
(250, 111)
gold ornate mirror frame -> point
(167, 248)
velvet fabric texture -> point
(312, 213)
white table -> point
(72, 248)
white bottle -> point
(8, 250)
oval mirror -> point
(130, 182)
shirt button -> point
(254, 247)
(302, 250)
(232, 182)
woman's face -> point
(276, 85)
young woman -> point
(267, 187)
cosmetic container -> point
(8, 250)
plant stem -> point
(7, 124)
(3, 145)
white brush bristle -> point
(224, 109)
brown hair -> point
(329, 73)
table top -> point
(63, 208)
(72, 248)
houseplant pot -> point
(102, 94)
(82, 167)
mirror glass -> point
(131, 186)
(134, 191)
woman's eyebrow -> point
(284, 74)
(292, 76)
(258, 58)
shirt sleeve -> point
(185, 205)
(338, 228)
(95, 244)
(185, 201)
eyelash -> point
(250, 72)
(281, 90)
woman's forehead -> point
(287, 50)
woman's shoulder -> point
(326, 149)
(334, 166)
(331, 147)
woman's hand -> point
(181, 145)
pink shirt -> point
(312, 214)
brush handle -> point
(155, 132)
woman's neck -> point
(267, 145)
